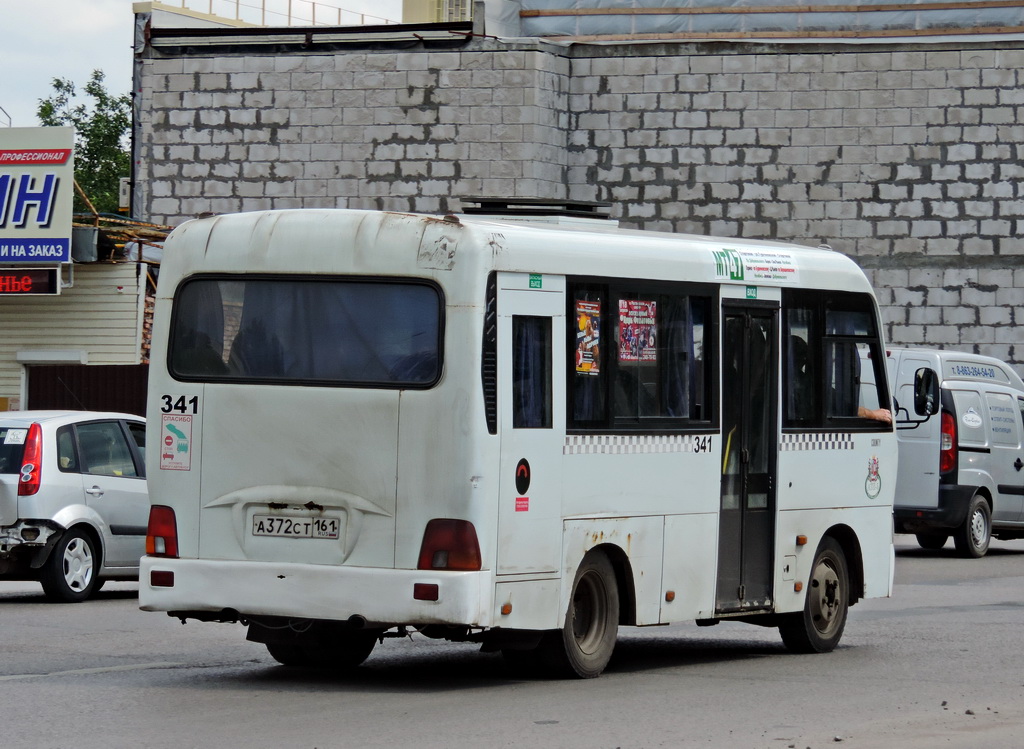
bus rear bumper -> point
(205, 588)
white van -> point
(961, 472)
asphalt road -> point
(937, 665)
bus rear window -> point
(301, 330)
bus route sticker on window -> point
(175, 442)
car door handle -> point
(1018, 464)
(95, 491)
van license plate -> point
(294, 526)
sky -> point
(45, 39)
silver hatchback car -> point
(73, 500)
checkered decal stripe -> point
(817, 441)
(620, 444)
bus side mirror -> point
(926, 392)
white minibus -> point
(522, 432)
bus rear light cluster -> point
(162, 533)
(31, 462)
(449, 544)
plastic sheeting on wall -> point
(752, 18)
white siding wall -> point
(93, 316)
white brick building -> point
(906, 157)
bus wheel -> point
(931, 541)
(339, 654)
(583, 647)
(819, 627)
(973, 537)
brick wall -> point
(906, 157)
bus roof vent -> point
(537, 209)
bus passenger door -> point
(531, 421)
(749, 441)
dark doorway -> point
(116, 387)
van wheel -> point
(973, 537)
(819, 627)
(931, 541)
(584, 645)
(340, 654)
(69, 575)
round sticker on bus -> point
(972, 419)
(523, 476)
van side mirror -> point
(926, 392)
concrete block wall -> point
(905, 157)
(383, 130)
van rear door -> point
(917, 481)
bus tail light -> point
(449, 545)
(947, 443)
(31, 462)
(162, 534)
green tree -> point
(101, 137)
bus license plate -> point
(294, 526)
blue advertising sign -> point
(37, 183)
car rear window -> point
(12, 446)
(339, 331)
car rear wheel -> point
(69, 575)
(973, 537)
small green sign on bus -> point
(751, 292)
(535, 280)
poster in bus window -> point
(588, 337)
(637, 326)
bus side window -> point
(832, 360)
(842, 379)
(531, 372)
(798, 366)
(587, 396)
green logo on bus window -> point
(751, 292)
(535, 280)
(728, 264)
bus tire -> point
(931, 541)
(975, 534)
(819, 627)
(584, 645)
(70, 574)
(340, 654)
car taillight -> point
(31, 462)
(947, 443)
(449, 545)
(162, 534)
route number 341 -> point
(180, 405)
